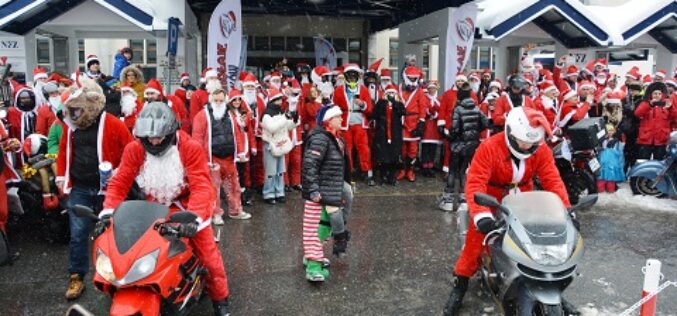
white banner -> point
(325, 54)
(460, 36)
(13, 51)
(224, 41)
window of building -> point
(277, 43)
(261, 43)
(81, 51)
(339, 44)
(293, 44)
(354, 45)
(42, 47)
(250, 43)
(137, 50)
(354, 58)
(484, 57)
(426, 55)
(151, 52)
(308, 44)
(393, 46)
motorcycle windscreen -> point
(132, 219)
(542, 214)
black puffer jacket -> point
(467, 123)
(324, 167)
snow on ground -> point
(623, 198)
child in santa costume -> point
(171, 168)
(415, 103)
(327, 192)
(388, 114)
(221, 133)
(355, 103)
(506, 162)
(90, 137)
(431, 139)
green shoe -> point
(325, 262)
(324, 229)
(315, 272)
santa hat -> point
(318, 72)
(128, 88)
(661, 73)
(91, 59)
(243, 74)
(572, 70)
(39, 73)
(385, 73)
(568, 94)
(234, 94)
(461, 76)
(391, 88)
(154, 85)
(492, 96)
(647, 80)
(208, 72)
(294, 84)
(590, 67)
(671, 82)
(546, 75)
(352, 67)
(275, 75)
(327, 112)
(433, 84)
(547, 87)
(586, 84)
(184, 76)
(634, 73)
(475, 75)
(601, 62)
(249, 80)
(495, 84)
(337, 71)
(55, 76)
(375, 66)
(412, 71)
(614, 98)
(274, 94)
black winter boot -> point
(221, 308)
(341, 243)
(456, 297)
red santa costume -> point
(256, 107)
(45, 118)
(201, 97)
(130, 106)
(562, 84)
(8, 174)
(356, 107)
(572, 110)
(179, 178)
(173, 102)
(504, 105)
(487, 107)
(413, 123)
(547, 105)
(498, 170)
(22, 119)
(223, 169)
(431, 136)
(447, 104)
(292, 102)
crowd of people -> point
(311, 130)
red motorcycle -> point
(144, 263)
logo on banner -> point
(228, 23)
(465, 29)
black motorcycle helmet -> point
(516, 82)
(156, 120)
(25, 100)
(303, 68)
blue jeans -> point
(273, 186)
(80, 227)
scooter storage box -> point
(587, 133)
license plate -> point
(594, 164)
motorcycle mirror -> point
(486, 200)
(84, 211)
(586, 202)
(77, 310)
(183, 217)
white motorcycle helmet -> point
(519, 130)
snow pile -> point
(623, 198)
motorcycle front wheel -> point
(548, 310)
(644, 186)
(580, 183)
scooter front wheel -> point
(644, 186)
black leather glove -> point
(485, 225)
(188, 230)
(101, 226)
(418, 132)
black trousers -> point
(428, 154)
(458, 164)
(646, 151)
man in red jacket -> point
(355, 103)
(171, 168)
(503, 164)
(415, 106)
(514, 98)
(90, 137)
(201, 97)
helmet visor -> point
(522, 147)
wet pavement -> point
(399, 262)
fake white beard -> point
(326, 89)
(340, 82)
(304, 79)
(384, 84)
(127, 104)
(249, 96)
(212, 85)
(163, 177)
(475, 86)
(433, 95)
(293, 102)
(408, 82)
(548, 103)
(275, 84)
(219, 110)
(372, 91)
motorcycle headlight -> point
(104, 267)
(550, 255)
(141, 268)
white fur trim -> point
(184, 78)
(152, 90)
(613, 101)
(104, 212)
(41, 75)
(332, 112)
(482, 215)
(569, 94)
(441, 122)
(211, 73)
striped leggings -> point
(312, 241)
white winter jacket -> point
(276, 133)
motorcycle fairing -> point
(126, 302)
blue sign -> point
(173, 35)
